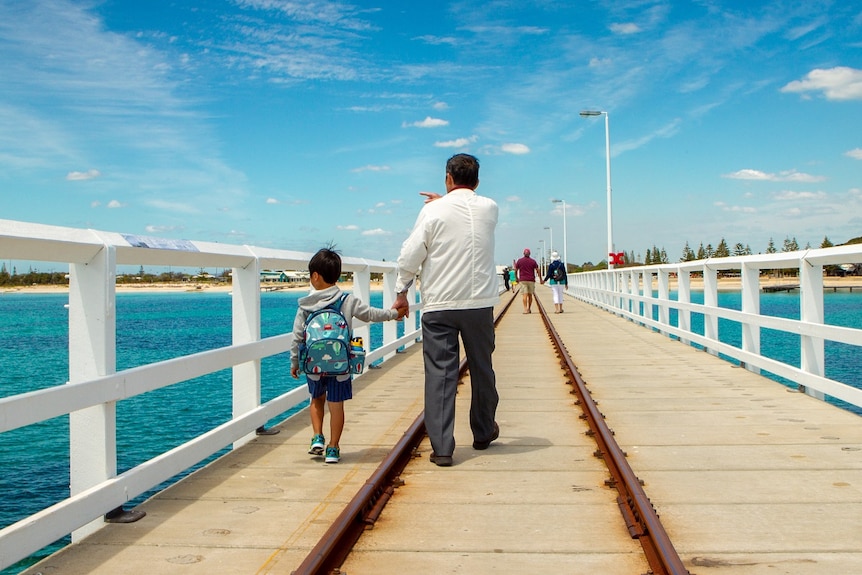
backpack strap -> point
(337, 305)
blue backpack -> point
(326, 347)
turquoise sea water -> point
(34, 461)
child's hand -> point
(294, 372)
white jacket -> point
(452, 243)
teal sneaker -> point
(318, 442)
(333, 455)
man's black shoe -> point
(441, 460)
(481, 445)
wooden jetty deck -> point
(748, 477)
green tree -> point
(722, 250)
(770, 247)
(790, 245)
(826, 243)
(739, 249)
(688, 254)
(701, 252)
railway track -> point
(640, 517)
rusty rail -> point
(639, 514)
(363, 510)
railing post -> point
(246, 329)
(684, 296)
(811, 311)
(663, 297)
(626, 290)
(92, 353)
(362, 290)
(751, 304)
(648, 297)
(710, 300)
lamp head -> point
(588, 113)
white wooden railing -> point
(94, 386)
(644, 295)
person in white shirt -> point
(452, 245)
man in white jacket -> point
(452, 243)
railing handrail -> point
(629, 292)
(95, 386)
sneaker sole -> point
(315, 451)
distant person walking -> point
(558, 280)
(528, 271)
(452, 242)
(506, 278)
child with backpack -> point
(558, 279)
(323, 350)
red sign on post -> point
(616, 259)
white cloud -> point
(785, 176)
(428, 122)
(839, 83)
(789, 195)
(176, 207)
(855, 153)
(740, 209)
(79, 176)
(458, 143)
(441, 106)
(272, 201)
(627, 28)
(370, 168)
(438, 40)
(114, 204)
(599, 62)
(162, 229)
(513, 199)
(517, 149)
(350, 228)
(376, 232)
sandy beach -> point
(200, 287)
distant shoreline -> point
(197, 287)
(724, 284)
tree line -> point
(35, 277)
(657, 255)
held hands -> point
(402, 305)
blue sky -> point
(291, 124)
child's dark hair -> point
(327, 263)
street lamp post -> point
(551, 231)
(542, 260)
(565, 242)
(587, 114)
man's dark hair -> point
(464, 170)
(327, 263)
